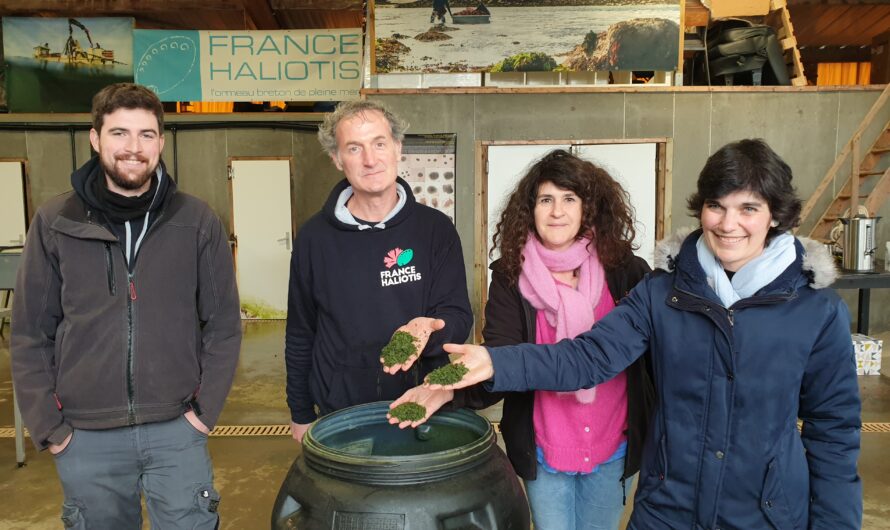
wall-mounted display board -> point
(641, 166)
(538, 35)
(427, 165)
(58, 64)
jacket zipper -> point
(109, 268)
(131, 301)
(131, 401)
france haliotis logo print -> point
(399, 259)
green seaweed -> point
(400, 348)
(526, 62)
(448, 374)
(408, 411)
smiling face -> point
(129, 147)
(558, 214)
(735, 227)
(368, 154)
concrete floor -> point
(249, 470)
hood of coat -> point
(329, 209)
(816, 263)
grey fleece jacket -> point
(96, 347)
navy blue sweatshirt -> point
(351, 288)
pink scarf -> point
(569, 310)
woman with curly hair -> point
(565, 239)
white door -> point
(262, 226)
(12, 204)
(633, 166)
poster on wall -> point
(526, 35)
(281, 65)
(427, 165)
(58, 64)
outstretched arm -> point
(593, 357)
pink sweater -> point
(576, 437)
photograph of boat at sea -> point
(525, 35)
(58, 64)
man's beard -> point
(125, 183)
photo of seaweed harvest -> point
(525, 35)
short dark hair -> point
(749, 165)
(607, 215)
(126, 96)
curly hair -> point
(327, 131)
(607, 216)
(749, 165)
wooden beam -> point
(350, 5)
(835, 54)
(793, 3)
(260, 14)
(696, 14)
(113, 7)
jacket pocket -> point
(191, 428)
(60, 342)
(773, 501)
(656, 470)
(67, 448)
(109, 270)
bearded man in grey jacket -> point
(126, 329)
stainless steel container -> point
(859, 244)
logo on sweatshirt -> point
(397, 271)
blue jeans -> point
(103, 473)
(560, 501)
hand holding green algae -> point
(409, 411)
(447, 375)
(419, 330)
(401, 347)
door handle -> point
(286, 240)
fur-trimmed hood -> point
(817, 262)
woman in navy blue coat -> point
(746, 339)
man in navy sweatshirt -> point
(371, 262)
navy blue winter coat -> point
(724, 450)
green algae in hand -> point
(448, 374)
(408, 412)
(400, 348)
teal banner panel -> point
(168, 62)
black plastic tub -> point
(357, 471)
